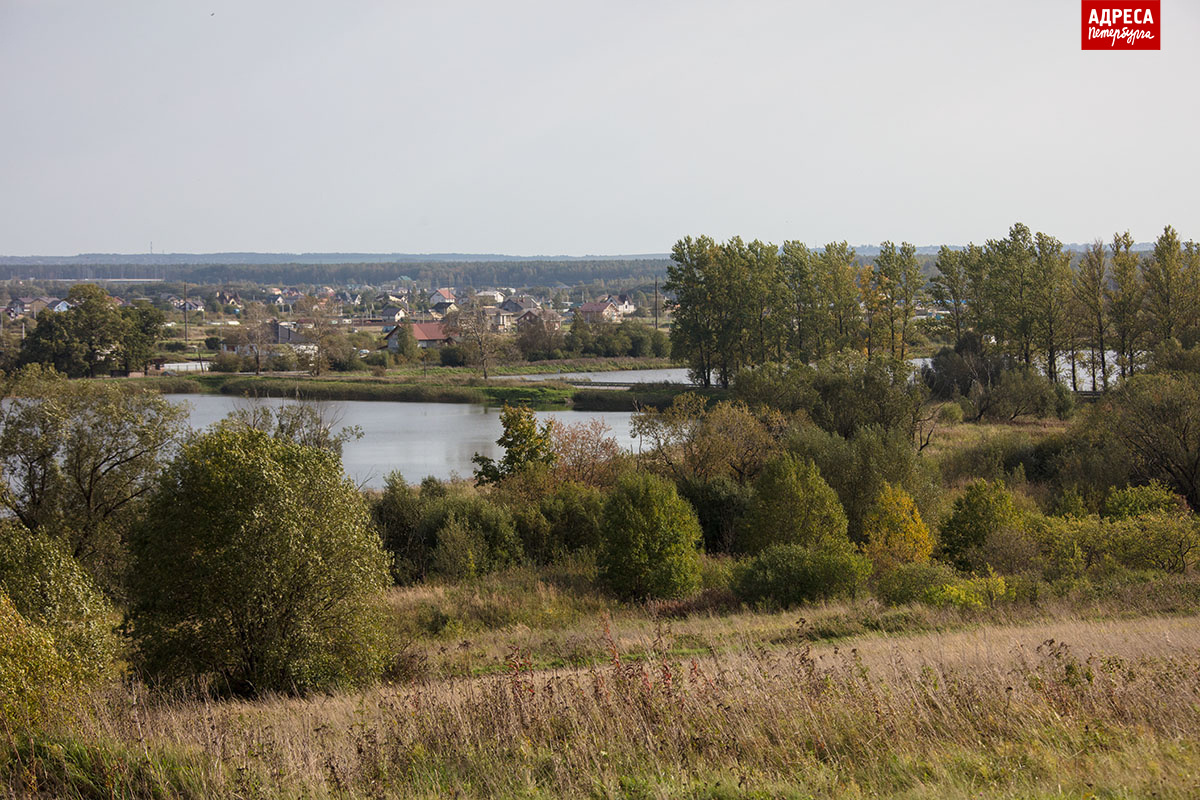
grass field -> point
(524, 684)
(1072, 708)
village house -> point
(440, 296)
(442, 309)
(551, 319)
(519, 303)
(427, 334)
(393, 314)
(599, 311)
(232, 299)
(624, 304)
(493, 297)
(498, 319)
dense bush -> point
(396, 512)
(792, 505)
(788, 574)
(452, 355)
(1156, 419)
(1134, 501)
(650, 540)
(912, 583)
(465, 535)
(857, 468)
(1073, 548)
(35, 679)
(228, 361)
(256, 569)
(1019, 392)
(720, 504)
(575, 514)
(986, 508)
(51, 591)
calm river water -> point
(418, 439)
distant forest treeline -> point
(442, 273)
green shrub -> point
(396, 511)
(857, 469)
(1134, 501)
(1097, 546)
(35, 679)
(256, 569)
(452, 355)
(792, 505)
(650, 537)
(50, 590)
(466, 536)
(785, 575)
(912, 583)
(969, 593)
(720, 504)
(575, 513)
(950, 414)
(227, 361)
(986, 507)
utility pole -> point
(185, 321)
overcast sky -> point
(576, 128)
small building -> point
(551, 319)
(442, 309)
(439, 296)
(490, 297)
(520, 303)
(624, 304)
(428, 335)
(393, 314)
(599, 311)
(498, 319)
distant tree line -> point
(1018, 301)
(1021, 297)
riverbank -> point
(545, 395)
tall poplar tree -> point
(1124, 298)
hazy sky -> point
(582, 127)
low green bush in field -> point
(789, 574)
(912, 583)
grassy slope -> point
(1045, 709)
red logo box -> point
(1117, 25)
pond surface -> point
(417, 439)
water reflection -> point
(418, 439)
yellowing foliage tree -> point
(894, 530)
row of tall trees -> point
(739, 304)
(1024, 297)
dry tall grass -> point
(1061, 709)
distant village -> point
(287, 316)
